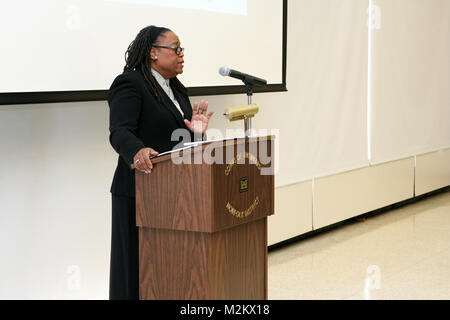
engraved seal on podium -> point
(243, 185)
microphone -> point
(246, 78)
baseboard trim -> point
(369, 214)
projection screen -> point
(73, 49)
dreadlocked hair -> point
(137, 57)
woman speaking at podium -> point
(147, 103)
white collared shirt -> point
(165, 84)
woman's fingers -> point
(148, 164)
(195, 109)
(200, 108)
(143, 165)
(203, 107)
(153, 152)
(142, 160)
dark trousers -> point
(124, 265)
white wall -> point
(410, 107)
(55, 171)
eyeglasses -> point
(178, 50)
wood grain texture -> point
(183, 265)
(237, 262)
(176, 197)
(173, 264)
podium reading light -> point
(242, 113)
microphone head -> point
(224, 71)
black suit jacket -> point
(138, 120)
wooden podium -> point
(202, 225)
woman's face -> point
(165, 60)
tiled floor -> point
(400, 254)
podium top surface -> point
(199, 146)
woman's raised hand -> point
(200, 118)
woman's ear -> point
(153, 54)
